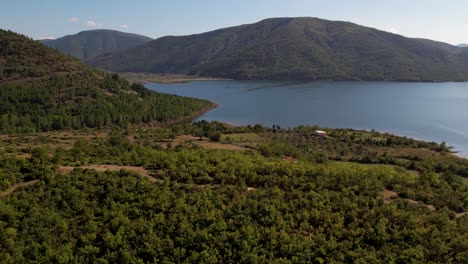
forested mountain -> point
(295, 49)
(88, 44)
(42, 89)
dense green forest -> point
(42, 90)
(295, 48)
(198, 205)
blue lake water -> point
(428, 111)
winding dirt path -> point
(107, 167)
(204, 143)
(391, 196)
(17, 186)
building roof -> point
(320, 132)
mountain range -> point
(295, 49)
(88, 44)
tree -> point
(216, 136)
(39, 156)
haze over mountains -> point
(88, 44)
(295, 49)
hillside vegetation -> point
(88, 44)
(291, 198)
(207, 192)
(42, 89)
(295, 49)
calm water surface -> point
(428, 111)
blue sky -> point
(435, 19)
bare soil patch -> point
(204, 143)
(389, 196)
(215, 145)
(24, 156)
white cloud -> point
(73, 20)
(94, 24)
(45, 37)
(394, 30)
(124, 26)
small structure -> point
(320, 133)
(290, 159)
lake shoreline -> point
(453, 151)
(161, 78)
(432, 112)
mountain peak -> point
(295, 48)
(87, 44)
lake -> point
(427, 111)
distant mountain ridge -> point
(87, 44)
(295, 49)
(462, 45)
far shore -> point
(143, 78)
(148, 77)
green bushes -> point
(217, 206)
(225, 206)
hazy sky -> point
(434, 19)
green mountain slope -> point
(295, 48)
(42, 89)
(88, 44)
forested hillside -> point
(42, 89)
(88, 44)
(295, 49)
